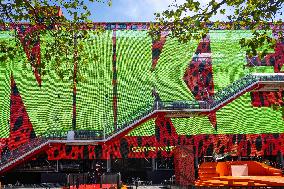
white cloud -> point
(161, 5)
(142, 10)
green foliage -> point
(60, 42)
(190, 20)
(65, 40)
(9, 48)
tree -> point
(192, 20)
(63, 36)
(62, 33)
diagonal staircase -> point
(195, 108)
(22, 154)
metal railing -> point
(21, 152)
(178, 105)
(55, 135)
(88, 134)
(78, 135)
(221, 97)
(231, 91)
(218, 99)
(141, 116)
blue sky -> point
(128, 10)
(135, 10)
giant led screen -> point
(119, 84)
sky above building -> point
(138, 10)
(131, 10)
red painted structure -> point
(184, 165)
(199, 79)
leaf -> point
(223, 11)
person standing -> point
(157, 99)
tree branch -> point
(212, 11)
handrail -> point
(219, 98)
(22, 151)
(209, 104)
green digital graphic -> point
(49, 107)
